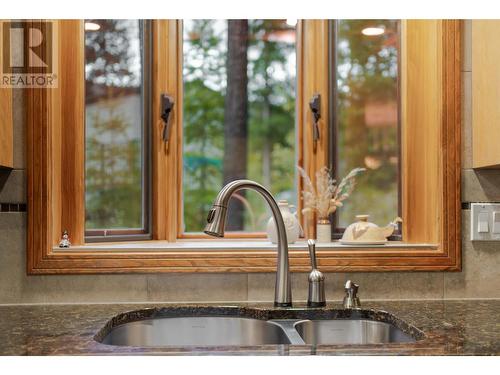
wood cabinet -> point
(6, 130)
(485, 94)
(6, 136)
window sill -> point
(243, 256)
(233, 245)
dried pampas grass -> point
(327, 196)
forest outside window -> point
(239, 117)
(117, 122)
(239, 79)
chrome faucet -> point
(216, 221)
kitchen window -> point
(285, 60)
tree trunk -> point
(267, 143)
(267, 147)
(235, 116)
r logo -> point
(28, 54)
(36, 56)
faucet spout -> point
(216, 221)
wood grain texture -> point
(69, 130)
(242, 261)
(6, 124)
(485, 93)
(63, 114)
(450, 215)
(6, 128)
(421, 93)
(40, 191)
(431, 118)
(166, 79)
(437, 158)
(313, 78)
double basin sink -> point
(233, 326)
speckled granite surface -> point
(444, 328)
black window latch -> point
(167, 105)
(315, 106)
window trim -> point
(431, 204)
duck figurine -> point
(364, 232)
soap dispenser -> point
(351, 299)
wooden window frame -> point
(430, 55)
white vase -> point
(291, 224)
(323, 231)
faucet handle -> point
(351, 300)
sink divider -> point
(288, 326)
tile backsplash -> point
(478, 279)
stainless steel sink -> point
(228, 331)
(197, 331)
(349, 332)
(206, 326)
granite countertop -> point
(443, 327)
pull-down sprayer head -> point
(216, 221)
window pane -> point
(367, 116)
(239, 116)
(114, 166)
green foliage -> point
(204, 112)
(271, 121)
(272, 100)
(113, 170)
(113, 176)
